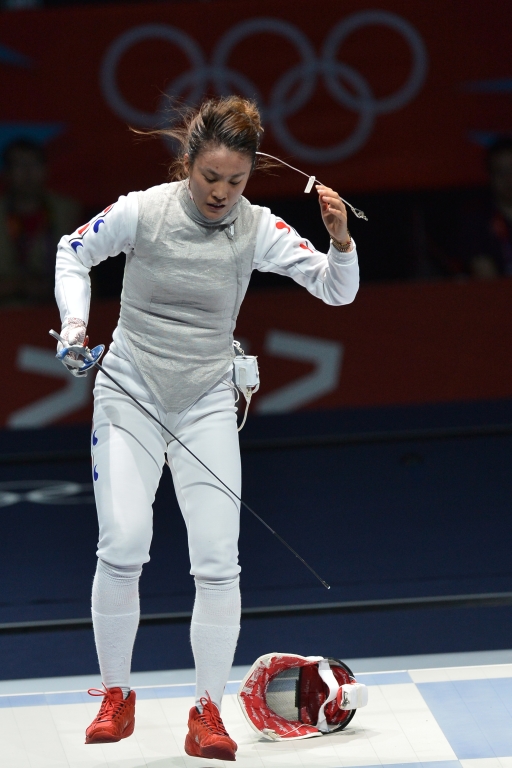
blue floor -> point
(474, 715)
(431, 717)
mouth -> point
(216, 207)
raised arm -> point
(332, 276)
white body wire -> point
(311, 181)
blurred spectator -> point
(32, 221)
(486, 237)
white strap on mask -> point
(327, 675)
(353, 695)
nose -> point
(219, 194)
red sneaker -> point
(206, 735)
(116, 718)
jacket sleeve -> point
(111, 232)
(332, 277)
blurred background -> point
(380, 443)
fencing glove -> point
(73, 331)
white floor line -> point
(177, 676)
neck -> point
(195, 214)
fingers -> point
(336, 209)
(331, 201)
(334, 212)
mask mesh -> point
(282, 694)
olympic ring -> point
(412, 37)
(44, 492)
(285, 98)
(124, 43)
(277, 27)
(345, 148)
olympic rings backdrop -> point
(399, 94)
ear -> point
(186, 164)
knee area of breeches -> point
(122, 548)
(118, 571)
(213, 572)
(214, 558)
(222, 584)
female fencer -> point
(190, 247)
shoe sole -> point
(214, 752)
(106, 738)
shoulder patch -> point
(75, 240)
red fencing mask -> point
(287, 696)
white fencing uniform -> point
(129, 449)
(332, 277)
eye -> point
(235, 183)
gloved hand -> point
(73, 331)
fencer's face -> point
(217, 179)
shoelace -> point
(210, 716)
(109, 707)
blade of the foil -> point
(101, 368)
(283, 541)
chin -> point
(215, 214)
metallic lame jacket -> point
(183, 286)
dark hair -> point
(228, 121)
(498, 146)
(22, 145)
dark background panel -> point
(385, 517)
(376, 520)
(371, 634)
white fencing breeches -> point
(128, 450)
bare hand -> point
(334, 213)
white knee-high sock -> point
(214, 633)
(115, 618)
